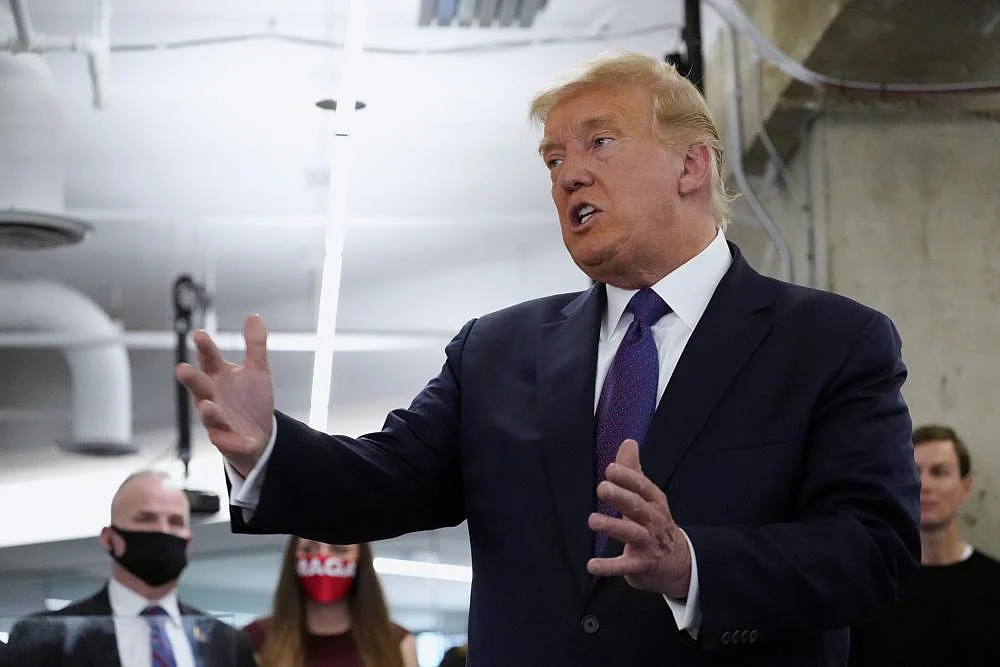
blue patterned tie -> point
(628, 398)
(163, 655)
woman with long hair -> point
(329, 611)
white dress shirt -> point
(687, 290)
(132, 632)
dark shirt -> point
(947, 617)
(321, 650)
(454, 657)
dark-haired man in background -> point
(949, 612)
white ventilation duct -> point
(99, 371)
(32, 205)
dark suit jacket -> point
(83, 635)
(782, 442)
(454, 657)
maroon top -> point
(320, 650)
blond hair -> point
(680, 112)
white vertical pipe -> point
(99, 52)
(25, 33)
(336, 224)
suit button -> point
(753, 636)
(727, 637)
(590, 624)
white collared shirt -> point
(132, 632)
(687, 290)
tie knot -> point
(154, 612)
(647, 306)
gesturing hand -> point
(235, 402)
(655, 556)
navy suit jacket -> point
(83, 635)
(782, 443)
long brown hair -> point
(371, 628)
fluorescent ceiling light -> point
(485, 13)
(423, 569)
(336, 225)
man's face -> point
(149, 504)
(614, 184)
(942, 487)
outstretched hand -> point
(655, 556)
(234, 401)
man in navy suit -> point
(135, 620)
(687, 464)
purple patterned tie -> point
(628, 398)
(163, 655)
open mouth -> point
(583, 213)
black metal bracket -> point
(691, 63)
(189, 298)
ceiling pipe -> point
(96, 46)
(227, 341)
(295, 220)
(23, 23)
(100, 373)
(735, 16)
(735, 131)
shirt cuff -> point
(687, 612)
(245, 492)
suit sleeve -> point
(244, 650)
(38, 640)
(338, 489)
(853, 540)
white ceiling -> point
(213, 159)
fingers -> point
(619, 566)
(197, 382)
(635, 482)
(210, 359)
(626, 501)
(628, 454)
(255, 337)
(625, 531)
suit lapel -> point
(101, 645)
(731, 328)
(98, 631)
(566, 373)
(196, 628)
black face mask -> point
(154, 557)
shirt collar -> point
(687, 289)
(126, 603)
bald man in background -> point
(136, 620)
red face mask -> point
(325, 578)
